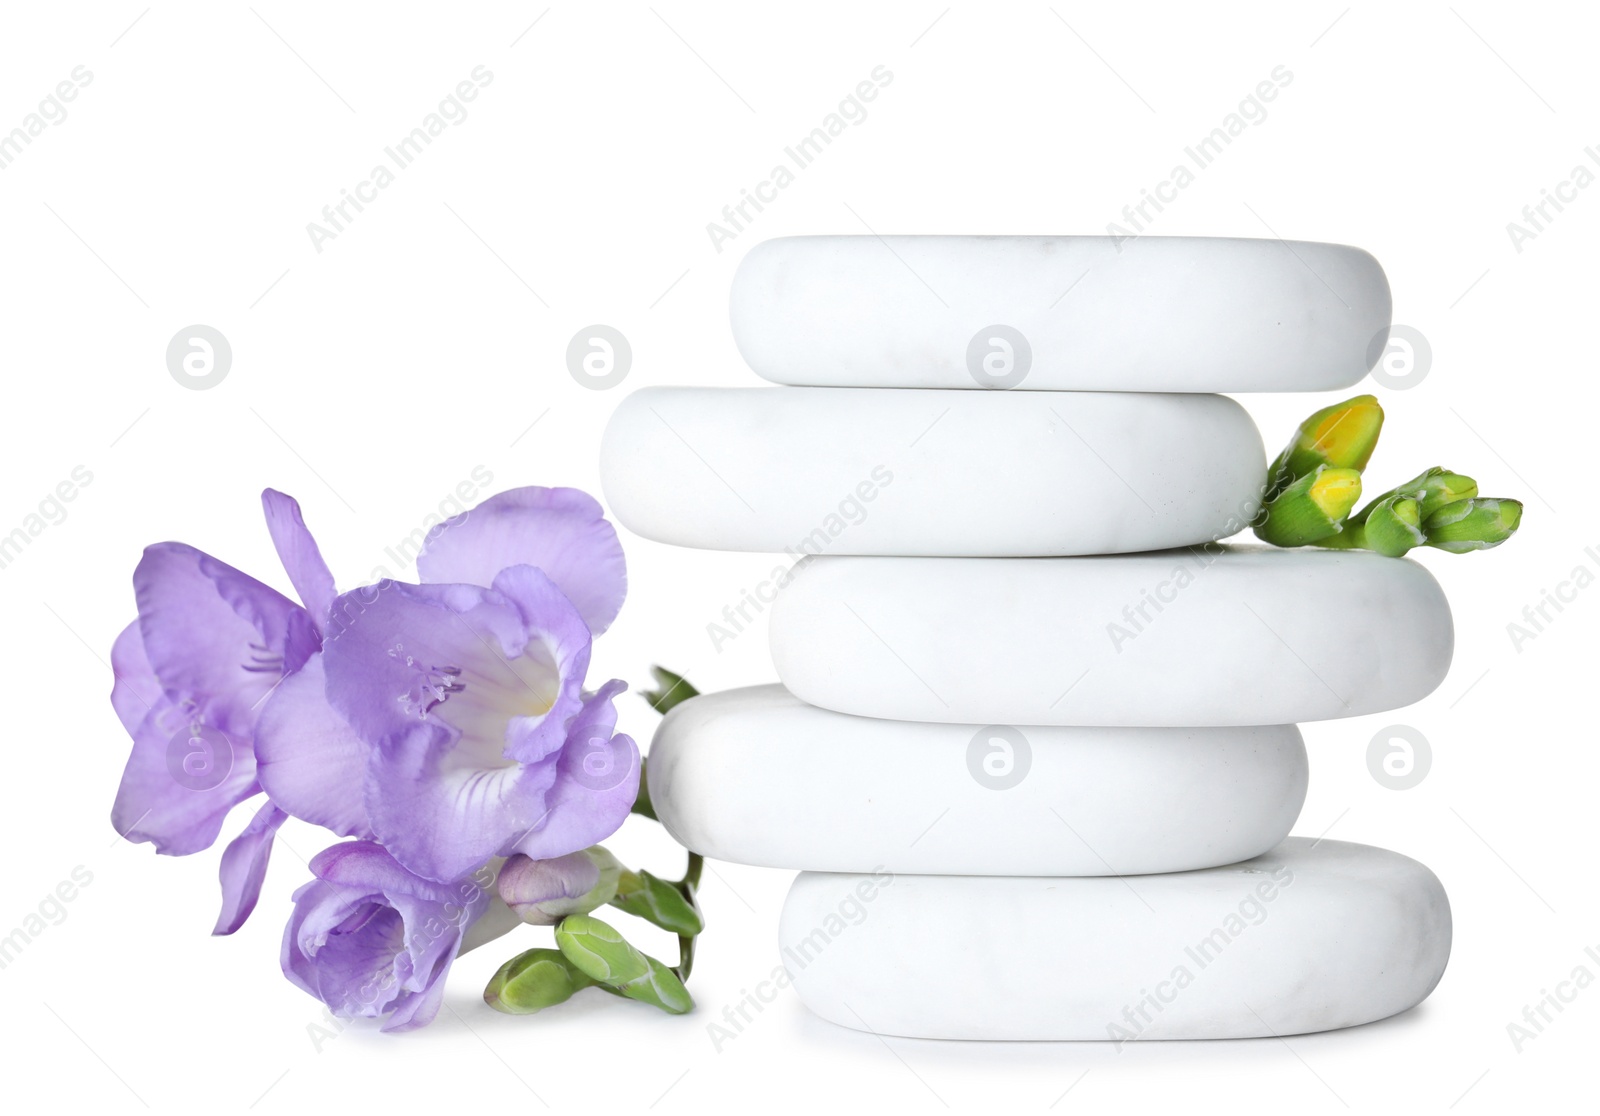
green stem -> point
(688, 885)
(691, 875)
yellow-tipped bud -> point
(1311, 509)
(1342, 436)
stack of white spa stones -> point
(1035, 745)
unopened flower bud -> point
(1312, 508)
(1342, 436)
(1475, 524)
(543, 892)
(532, 981)
(599, 951)
(660, 986)
(1393, 527)
(1432, 490)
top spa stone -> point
(1060, 313)
(879, 471)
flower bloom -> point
(209, 645)
(446, 720)
(449, 720)
(370, 939)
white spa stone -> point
(1312, 936)
(881, 471)
(756, 776)
(1145, 314)
(1205, 636)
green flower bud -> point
(655, 900)
(532, 981)
(660, 986)
(1432, 490)
(1342, 436)
(1475, 524)
(1393, 527)
(1312, 508)
(599, 951)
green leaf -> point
(671, 689)
(656, 900)
(641, 802)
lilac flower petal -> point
(452, 685)
(135, 692)
(244, 866)
(559, 637)
(298, 552)
(390, 646)
(595, 784)
(418, 1009)
(562, 531)
(441, 818)
(308, 758)
(367, 866)
(167, 799)
(583, 811)
(358, 970)
(370, 939)
(214, 636)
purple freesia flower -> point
(370, 939)
(481, 740)
(446, 719)
(192, 672)
(449, 721)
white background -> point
(370, 379)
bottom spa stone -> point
(757, 776)
(1312, 936)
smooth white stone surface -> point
(880, 471)
(1156, 314)
(1312, 936)
(756, 776)
(1245, 636)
